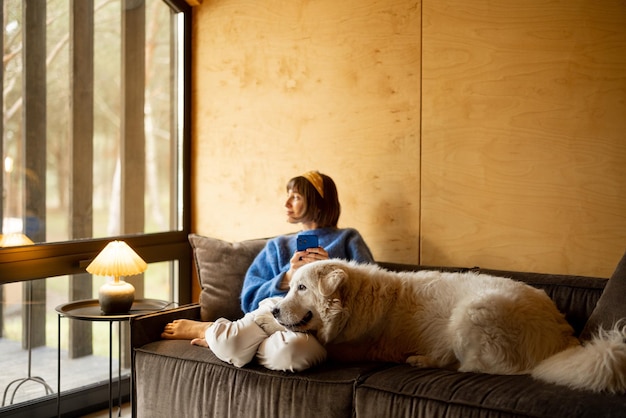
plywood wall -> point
(524, 135)
(459, 133)
(281, 88)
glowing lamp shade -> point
(117, 259)
(14, 240)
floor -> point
(75, 373)
(126, 412)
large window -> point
(95, 147)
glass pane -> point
(106, 159)
(82, 364)
(91, 142)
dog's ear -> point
(329, 283)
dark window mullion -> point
(133, 154)
(81, 137)
(2, 155)
(133, 158)
(34, 58)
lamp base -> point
(116, 297)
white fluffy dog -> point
(467, 321)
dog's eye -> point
(301, 287)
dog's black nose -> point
(276, 312)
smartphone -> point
(304, 241)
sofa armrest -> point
(148, 328)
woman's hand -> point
(299, 259)
(312, 254)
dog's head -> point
(313, 303)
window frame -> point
(51, 259)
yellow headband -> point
(316, 180)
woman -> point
(313, 203)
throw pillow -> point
(221, 268)
(610, 307)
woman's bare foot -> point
(200, 342)
(185, 329)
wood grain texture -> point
(280, 88)
(519, 107)
(524, 117)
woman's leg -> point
(290, 351)
(235, 342)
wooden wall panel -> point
(519, 107)
(280, 88)
(524, 146)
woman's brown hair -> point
(325, 210)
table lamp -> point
(14, 240)
(117, 259)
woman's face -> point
(296, 207)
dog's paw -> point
(420, 361)
(268, 323)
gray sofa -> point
(176, 379)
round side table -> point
(89, 310)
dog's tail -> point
(598, 365)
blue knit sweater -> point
(271, 264)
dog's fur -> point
(467, 321)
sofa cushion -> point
(182, 380)
(221, 267)
(405, 391)
(611, 307)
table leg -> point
(110, 368)
(119, 370)
(59, 367)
